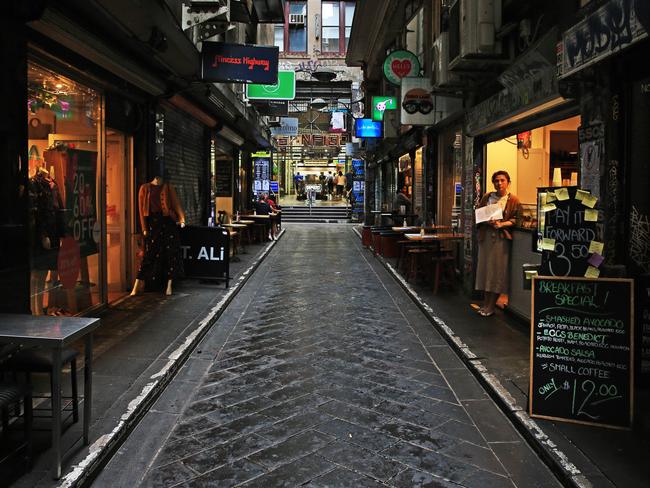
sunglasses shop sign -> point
(420, 107)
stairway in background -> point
(318, 214)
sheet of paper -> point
(596, 247)
(548, 244)
(589, 201)
(580, 194)
(591, 215)
(562, 194)
(489, 212)
(550, 197)
(595, 260)
(549, 207)
(592, 272)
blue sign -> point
(245, 63)
(275, 186)
(367, 128)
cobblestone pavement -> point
(331, 377)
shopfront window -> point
(65, 121)
(541, 157)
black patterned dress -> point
(162, 259)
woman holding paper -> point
(494, 241)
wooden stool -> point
(414, 257)
(444, 265)
(402, 257)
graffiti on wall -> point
(609, 29)
(640, 239)
(611, 210)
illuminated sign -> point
(380, 105)
(367, 128)
(221, 61)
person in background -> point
(340, 184)
(330, 185)
(322, 180)
(335, 184)
(494, 243)
(401, 200)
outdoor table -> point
(243, 221)
(242, 226)
(55, 333)
(405, 229)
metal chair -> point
(12, 394)
(29, 361)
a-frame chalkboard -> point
(581, 351)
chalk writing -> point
(581, 334)
(640, 239)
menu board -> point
(262, 176)
(223, 177)
(567, 235)
(581, 353)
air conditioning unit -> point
(296, 19)
(473, 24)
(442, 77)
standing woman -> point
(494, 243)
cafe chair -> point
(29, 361)
(417, 260)
(11, 395)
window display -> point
(63, 119)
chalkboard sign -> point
(581, 365)
(206, 252)
(223, 178)
(565, 234)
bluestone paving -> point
(329, 376)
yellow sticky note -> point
(592, 272)
(591, 215)
(581, 194)
(562, 194)
(530, 274)
(596, 247)
(550, 197)
(548, 244)
(548, 207)
(589, 201)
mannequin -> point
(160, 213)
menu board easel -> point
(581, 351)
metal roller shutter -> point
(186, 159)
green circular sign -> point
(400, 64)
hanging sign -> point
(417, 102)
(284, 89)
(288, 127)
(205, 252)
(581, 361)
(244, 63)
(81, 199)
(261, 172)
(380, 105)
(400, 64)
(358, 189)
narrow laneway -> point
(323, 373)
